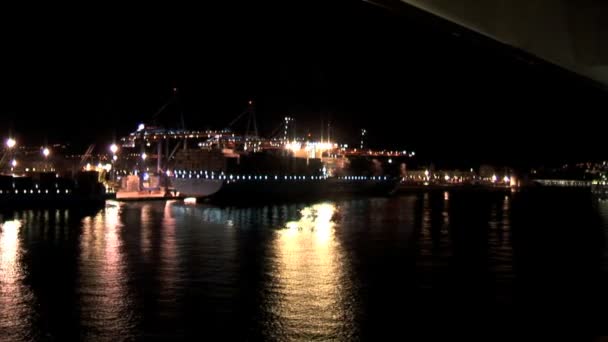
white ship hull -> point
(196, 187)
(295, 187)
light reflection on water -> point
(104, 297)
(310, 300)
(325, 271)
(16, 299)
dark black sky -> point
(413, 81)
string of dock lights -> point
(36, 190)
(32, 191)
(230, 177)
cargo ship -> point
(278, 173)
(251, 187)
(224, 165)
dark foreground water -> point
(340, 270)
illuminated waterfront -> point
(344, 270)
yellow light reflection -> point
(311, 295)
(318, 219)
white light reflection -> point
(313, 295)
(105, 304)
(14, 295)
(146, 227)
(8, 249)
(169, 260)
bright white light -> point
(141, 127)
(113, 148)
(144, 156)
(14, 162)
(114, 157)
(190, 200)
(506, 179)
(293, 146)
(46, 152)
(10, 142)
(447, 178)
(390, 161)
(426, 173)
(494, 178)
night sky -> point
(414, 81)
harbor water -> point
(349, 269)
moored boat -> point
(252, 187)
(50, 190)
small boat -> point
(135, 190)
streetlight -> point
(114, 149)
(10, 142)
(46, 152)
(144, 156)
(14, 163)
